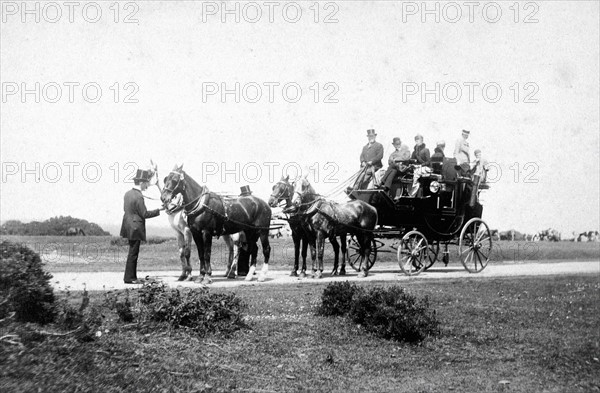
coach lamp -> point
(434, 186)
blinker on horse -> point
(210, 214)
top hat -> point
(245, 190)
(466, 131)
(142, 175)
(371, 132)
(396, 141)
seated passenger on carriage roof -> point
(402, 153)
(438, 152)
(421, 152)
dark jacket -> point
(134, 219)
(372, 153)
(421, 154)
(438, 155)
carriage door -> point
(447, 198)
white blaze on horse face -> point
(297, 193)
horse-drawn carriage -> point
(445, 211)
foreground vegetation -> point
(518, 334)
(102, 253)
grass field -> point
(97, 254)
(517, 335)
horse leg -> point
(266, 249)
(336, 252)
(230, 271)
(304, 249)
(344, 254)
(198, 239)
(365, 249)
(181, 247)
(251, 240)
(320, 247)
(207, 237)
(187, 252)
(297, 239)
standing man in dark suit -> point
(134, 223)
(370, 161)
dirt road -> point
(380, 272)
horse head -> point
(282, 191)
(303, 191)
(174, 185)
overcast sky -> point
(524, 79)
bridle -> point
(285, 193)
(302, 194)
(179, 180)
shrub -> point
(121, 307)
(157, 240)
(24, 286)
(200, 311)
(394, 314)
(337, 298)
(83, 318)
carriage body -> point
(444, 212)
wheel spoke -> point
(486, 239)
(479, 259)
(480, 233)
(421, 248)
(469, 256)
(484, 255)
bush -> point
(200, 311)
(337, 298)
(123, 308)
(24, 286)
(84, 320)
(393, 313)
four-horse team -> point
(196, 213)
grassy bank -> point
(517, 334)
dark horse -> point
(283, 190)
(324, 219)
(74, 231)
(210, 215)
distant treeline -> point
(56, 226)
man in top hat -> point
(402, 153)
(134, 223)
(461, 149)
(245, 191)
(370, 160)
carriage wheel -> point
(433, 252)
(475, 245)
(353, 253)
(413, 253)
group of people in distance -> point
(372, 155)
